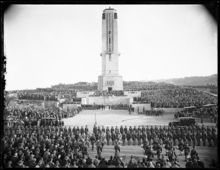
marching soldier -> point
(107, 130)
(82, 130)
(143, 129)
(123, 138)
(130, 129)
(99, 130)
(117, 148)
(118, 136)
(204, 137)
(99, 148)
(103, 139)
(108, 137)
(128, 137)
(116, 130)
(92, 139)
(135, 129)
(198, 138)
(103, 129)
(86, 130)
(125, 129)
(112, 129)
(95, 129)
(209, 137)
(113, 137)
(139, 137)
(121, 129)
(133, 136)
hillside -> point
(193, 81)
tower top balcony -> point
(109, 10)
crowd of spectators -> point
(108, 93)
(175, 97)
(120, 107)
(142, 86)
(34, 114)
(36, 96)
(56, 147)
(50, 95)
(102, 107)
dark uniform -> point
(92, 139)
(128, 138)
(121, 129)
(108, 137)
(123, 138)
(134, 137)
(112, 129)
(125, 129)
(113, 135)
(86, 130)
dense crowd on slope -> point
(44, 147)
(148, 86)
(175, 97)
(210, 112)
(28, 114)
(51, 95)
(36, 96)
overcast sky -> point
(51, 44)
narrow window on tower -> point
(115, 16)
(103, 16)
(109, 41)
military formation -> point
(52, 146)
(192, 135)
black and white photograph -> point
(110, 86)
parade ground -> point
(116, 118)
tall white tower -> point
(110, 78)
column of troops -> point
(192, 135)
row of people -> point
(150, 112)
(108, 93)
(111, 107)
(195, 136)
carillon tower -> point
(110, 79)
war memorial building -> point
(110, 79)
